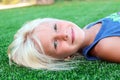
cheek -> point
(64, 49)
(63, 25)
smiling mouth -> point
(73, 35)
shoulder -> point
(108, 49)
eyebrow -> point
(50, 47)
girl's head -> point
(42, 42)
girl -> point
(47, 43)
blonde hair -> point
(23, 50)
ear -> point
(67, 58)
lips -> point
(73, 35)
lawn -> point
(81, 12)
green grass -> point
(81, 13)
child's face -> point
(59, 38)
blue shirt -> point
(110, 27)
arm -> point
(108, 49)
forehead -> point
(44, 34)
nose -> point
(62, 36)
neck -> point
(87, 38)
(90, 35)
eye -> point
(55, 44)
(55, 27)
